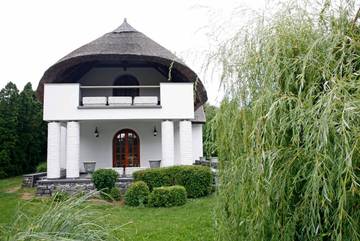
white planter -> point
(120, 101)
(94, 101)
(89, 166)
(154, 163)
(145, 100)
(214, 159)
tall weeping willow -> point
(288, 133)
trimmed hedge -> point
(167, 196)
(104, 179)
(137, 194)
(197, 180)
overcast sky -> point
(35, 34)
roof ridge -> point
(125, 27)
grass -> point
(190, 222)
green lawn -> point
(192, 221)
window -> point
(126, 80)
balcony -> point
(71, 101)
(105, 97)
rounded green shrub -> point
(197, 180)
(41, 167)
(167, 196)
(104, 179)
(137, 194)
(156, 177)
(115, 193)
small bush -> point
(155, 177)
(104, 179)
(137, 194)
(197, 180)
(115, 194)
(41, 167)
(167, 196)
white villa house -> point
(121, 101)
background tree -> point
(22, 131)
(209, 145)
(31, 130)
(9, 159)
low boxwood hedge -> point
(197, 180)
(137, 194)
(167, 196)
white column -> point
(167, 143)
(53, 150)
(63, 146)
(185, 142)
(73, 149)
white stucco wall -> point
(61, 102)
(100, 149)
(197, 141)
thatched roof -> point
(199, 115)
(123, 46)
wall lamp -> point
(96, 132)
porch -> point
(120, 143)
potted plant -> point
(89, 166)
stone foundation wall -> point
(49, 187)
(30, 180)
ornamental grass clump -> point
(288, 133)
(70, 220)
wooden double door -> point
(126, 149)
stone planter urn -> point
(214, 162)
(154, 163)
(202, 159)
(89, 166)
(214, 159)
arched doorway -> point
(126, 149)
(126, 80)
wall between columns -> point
(197, 135)
(100, 149)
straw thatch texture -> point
(123, 46)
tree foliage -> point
(208, 134)
(22, 131)
(288, 133)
